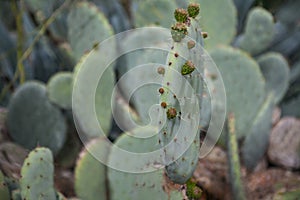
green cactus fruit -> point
(219, 20)
(87, 26)
(276, 73)
(89, 87)
(181, 15)
(178, 31)
(4, 192)
(193, 9)
(59, 89)
(258, 135)
(153, 12)
(148, 185)
(237, 187)
(259, 31)
(37, 175)
(192, 190)
(90, 177)
(244, 83)
(32, 120)
(171, 113)
(187, 68)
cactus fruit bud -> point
(161, 90)
(178, 31)
(163, 104)
(161, 70)
(191, 44)
(171, 113)
(187, 68)
(204, 34)
(193, 9)
(181, 15)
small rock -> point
(285, 143)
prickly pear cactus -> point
(32, 120)
(179, 106)
(259, 31)
(148, 185)
(218, 15)
(153, 12)
(88, 88)
(276, 73)
(59, 89)
(90, 173)
(87, 27)
(258, 134)
(244, 84)
(37, 175)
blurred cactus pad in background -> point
(52, 147)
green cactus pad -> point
(276, 73)
(147, 186)
(219, 19)
(141, 100)
(33, 120)
(150, 12)
(258, 135)
(4, 192)
(90, 177)
(87, 26)
(37, 175)
(244, 85)
(86, 72)
(59, 89)
(259, 31)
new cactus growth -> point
(193, 9)
(181, 15)
(187, 68)
(178, 31)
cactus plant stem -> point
(18, 12)
(234, 161)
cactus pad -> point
(33, 120)
(244, 85)
(90, 177)
(87, 27)
(276, 73)
(259, 31)
(37, 175)
(59, 89)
